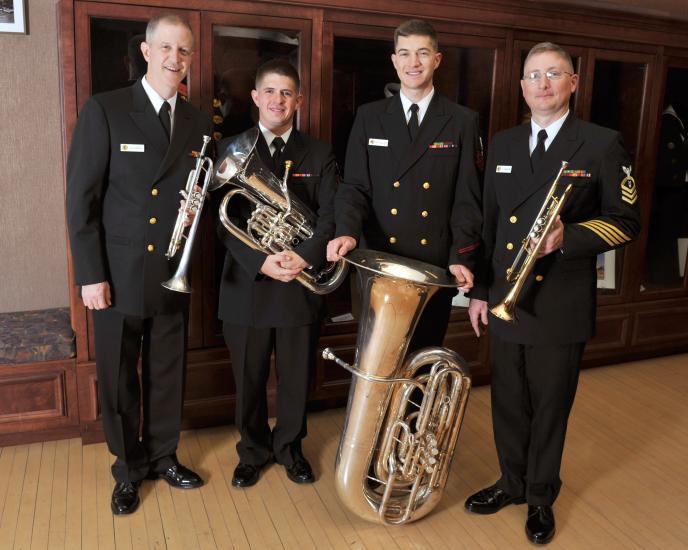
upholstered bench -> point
(37, 376)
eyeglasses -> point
(535, 76)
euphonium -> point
(279, 222)
(403, 417)
(519, 270)
(194, 204)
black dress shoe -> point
(491, 500)
(125, 498)
(179, 476)
(540, 524)
(246, 475)
(300, 471)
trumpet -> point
(194, 204)
(525, 259)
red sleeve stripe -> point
(469, 248)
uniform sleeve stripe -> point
(601, 229)
(617, 236)
(613, 229)
(468, 248)
(603, 232)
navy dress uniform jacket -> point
(249, 298)
(557, 304)
(419, 200)
(123, 183)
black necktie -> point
(538, 154)
(278, 144)
(413, 122)
(164, 116)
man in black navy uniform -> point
(129, 158)
(535, 362)
(411, 184)
(261, 305)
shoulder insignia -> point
(609, 233)
(629, 193)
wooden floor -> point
(625, 478)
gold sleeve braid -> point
(609, 233)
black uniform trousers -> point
(533, 387)
(250, 349)
(160, 341)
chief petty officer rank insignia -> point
(629, 193)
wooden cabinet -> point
(631, 70)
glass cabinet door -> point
(667, 239)
(617, 87)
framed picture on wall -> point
(12, 16)
(606, 269)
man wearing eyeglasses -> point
(535, 361)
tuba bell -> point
(278, 222)
(525, 260)
(396, 448)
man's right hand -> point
(272, 268)
(477, 311)
(97, 295)
(339, 247)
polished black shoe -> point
(491, 500)
(179, 476)
(300, 471)
(540, 524)
(246, 475)
(125, 498)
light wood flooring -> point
(625, 475)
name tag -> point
(131, 147)
(503, 169)
(378, 142)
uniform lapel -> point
(564, 146)
(146, 119)
(434, 121)
(295, 150)
(394, 127)
(180, 136)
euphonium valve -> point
(403, 418)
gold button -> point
(424, 213)
(513, 219)
(394, 211)
(539, 278)
(426, 185)
(396, 184)
(154, 192)
(423, 242)
(153, 221)
(392, 240)
(509, 246)
(150, 248)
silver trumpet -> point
(404, 416)
(194, 204)
(278, 222)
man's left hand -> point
(553, 241)
(463, 276)
(191, 214)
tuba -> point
(403, 417)
(279, 222)
(525, 259)
(193, 204)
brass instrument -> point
(519, 270)
(403, 419)
(279, 222)
(194, 204)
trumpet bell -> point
(504, 312)
(178, 283)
